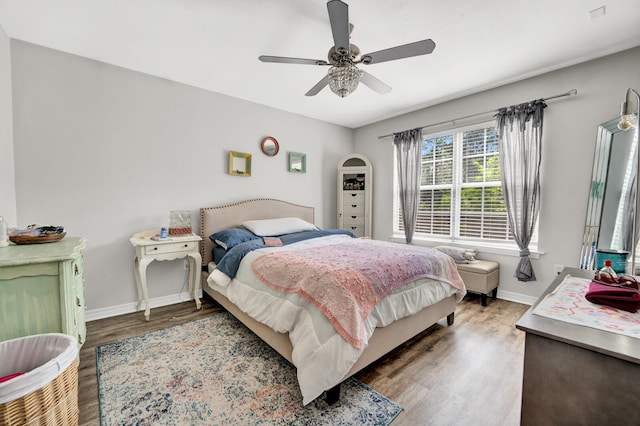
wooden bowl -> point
(39, 239)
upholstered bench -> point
(481, 276)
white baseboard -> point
(127, 308)
(516, 297)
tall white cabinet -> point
(354, 194)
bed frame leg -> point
(450, 318)
(333, 394)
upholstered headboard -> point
(217, 218)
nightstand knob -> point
(186, 245)
(155, 248)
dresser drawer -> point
(78, 299)
(353, 209)
(81, 328)
(358, 230)
(353, 197)
(172, 247)
(77, 268)
(353, 220)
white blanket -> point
(322, 357)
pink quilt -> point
(347, 279)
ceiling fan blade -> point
(373, 83)
(339, 18)
(285, 60)
(318, 87)
(417, 48)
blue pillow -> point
(218, 253)
(229, 238)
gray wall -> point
(107, 152)
(569, 140)
(7, 181)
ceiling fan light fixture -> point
(344, 79)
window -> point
(461, 191)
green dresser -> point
(41, 289)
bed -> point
(341, 357)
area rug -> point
(215, 371)
(568, 303)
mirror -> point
(611, 205)
(239, 163)
(269, 146)
(297, 162)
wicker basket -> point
(55, 403)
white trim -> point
(516, 297)
(127, 308)
(481, 246)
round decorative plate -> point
(36, 239)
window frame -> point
(498, 246)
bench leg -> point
(450, 318)
(484, 299)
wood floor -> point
(467, 374)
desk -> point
(148, 250)
(575, 374)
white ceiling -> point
(215, 44)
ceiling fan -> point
(343, 76)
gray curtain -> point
(520, 131)
(409, 153)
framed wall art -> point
(297, 162)
(269, 146)
(239, 163)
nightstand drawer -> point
(172, 247)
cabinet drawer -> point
(81, 329)
(78, 300)
(353, 209)
(77, 268)
(353, 197)
(358, 230)
(353, 220)
(172, 247)
(79, 312)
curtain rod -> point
(571, 92)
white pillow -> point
(280, 226)
(460, 255)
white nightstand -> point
(148, 250)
